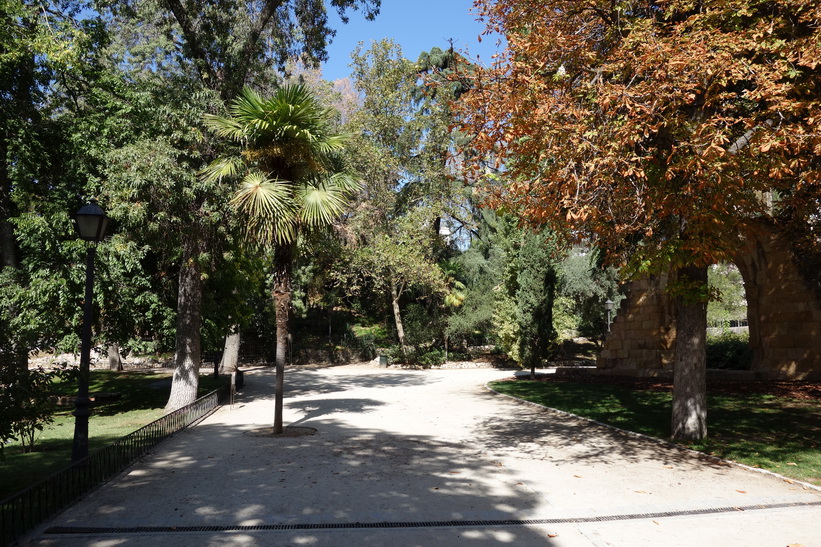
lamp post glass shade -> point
(91, 222)
(608, 305)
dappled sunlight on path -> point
(434, 449)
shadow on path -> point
(543, 433)
(259, 382)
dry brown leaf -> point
(741, 491)
(577, 476)
(552, 535)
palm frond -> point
(322, 200)
(229, 128)
(287, 135)
(346, 181)
(225, 167)
(259, 196)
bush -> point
(729, 351)
(25, 404)
(432, 358)
(393, 353)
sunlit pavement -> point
(427, 458)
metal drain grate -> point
(85, 530)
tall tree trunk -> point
(397, 318)
(13, 354)
(189, 318)
(230, 352)
(20, 117)
(689, 422)
(8, 245)
(283, 259)
(114, 360)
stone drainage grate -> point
(419, 524)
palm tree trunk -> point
(189, 318)
(283, 259)
(689, 421)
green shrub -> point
(393, 353)
(25, 404)
(432, 358)
(729, 351)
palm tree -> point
(291, 182)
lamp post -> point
(91, 225)
(608, 305)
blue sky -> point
(416, 25)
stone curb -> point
(716, 459)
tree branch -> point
(745, 139)
(189, 32)
(239, 72)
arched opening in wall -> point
(728, 335)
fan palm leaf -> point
(224, 167)
(321, 201)
(289, 157)
(268, 205)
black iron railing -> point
(27, 509)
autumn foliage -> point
(658, 128)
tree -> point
(401, 150)
(535, 294)
(218, 49)
(291, 183)
(657, 129)
(584, 285)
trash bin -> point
(383, 361)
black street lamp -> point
(91, 225)
(608, 305)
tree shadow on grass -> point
(538, 431)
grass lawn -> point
(142, 398)
(780, 434)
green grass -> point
(142, 398)
(774, 433)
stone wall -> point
(784, 315)
(642, 337)
(783, 308)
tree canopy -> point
(659, 127)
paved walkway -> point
(435, 451)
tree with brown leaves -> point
(658, 129)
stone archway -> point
(783, 310)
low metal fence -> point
(27, 509)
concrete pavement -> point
(427, 458)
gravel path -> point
(427, 458)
